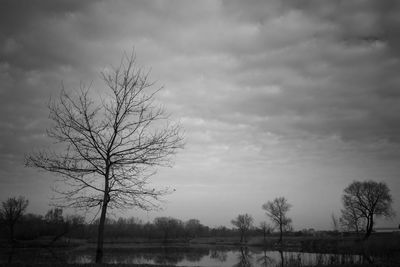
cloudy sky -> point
(277, 98)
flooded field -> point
(185, 256)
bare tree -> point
(12, 211)
(243, 222)
(276, 210)
(368, 199)
(265, 229)
(351, 219)
(111, 146)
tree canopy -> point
(364, 200)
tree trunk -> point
(100, 233)
(370, 226)
(280, 233)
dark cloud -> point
(333, 63)
(260, 86)
(33, 35)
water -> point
(206, 256)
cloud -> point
(255, 84)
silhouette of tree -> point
(243, 222)
(368, 199)
(276, 210)
(12, 211)
(112, 145)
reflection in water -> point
(183, 256)
(244, 258)
(266, 260)
(218, 254)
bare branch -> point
(111, 147)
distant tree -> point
(265, 228)
(276, 210)
(170, 227)
(55, 224)
(368, 199)
(193, 228)
(74, 224)
(243, 222)
(54, 216)
(12, 211)
(111, 145)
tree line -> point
(55, 225)
(362, 203)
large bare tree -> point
(276, 210)
(11, 211)
(112, 145)
(364, 200)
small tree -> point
(265, 228)
(111, 146)
(276, 210)
(367, 199)
(243, 222)
(12, 211)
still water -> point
(185, 256)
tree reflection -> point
(244, 258)
(196, 254)
(282, 258)
(219, 255)
(265, 260)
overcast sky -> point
(277, 98)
